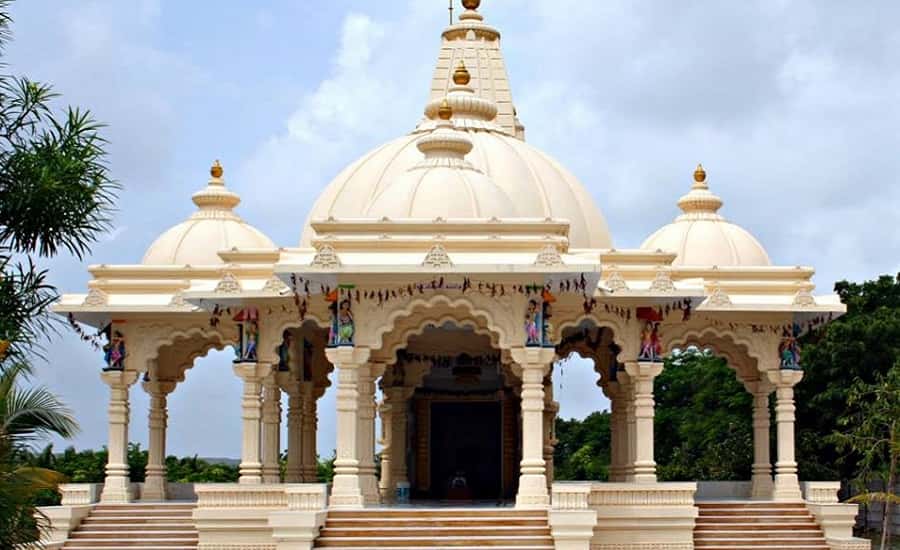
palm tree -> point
(27, 416)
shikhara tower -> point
(451, 267)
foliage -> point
(26, 416)
(871, 430)
(704, 424)
(862, 345)
(582, 448)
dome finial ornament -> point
(700, 174)
(461, 76)
(445, 112)
(216, 170)
(471, 4)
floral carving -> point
(662, 282)
(549, 256)
(326, 258)
(718, 298)
(229, 284)
(615, 282)
(804, 298)
(275, 286)
(96, 297)
(437, 258)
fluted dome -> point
(212, 228)
(702, 237)
(526, 182)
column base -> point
(346, 493)
(154, 489)
(573, 529)
(787, 488)
(532, 491)
(370, 490)
(762, 487)
(644, 472)
(116, 490)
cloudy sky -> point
(792, 106)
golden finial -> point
(461, 76)
(700, 174)
(216, 170)
(471, 4)
(445, 112)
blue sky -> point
(791, 106)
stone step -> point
(137, 519)
(143, 541)
(743, 505)
(146, 527)
(761, 533)
(434, 542)
(436, 522)
(754, 519)
(370, 531)
(184, 534)
(784, 512)
(131, 547)
(507, 547)
(437, 512)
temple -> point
(451, 268)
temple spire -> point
(700, 201)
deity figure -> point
(546, 314)
(532, 331)
(651, 345)
(345, 324)
(284, 351)
(248, 333)
(114, 351)
(789, 348)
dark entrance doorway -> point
(466, 450)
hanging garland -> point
(447, 361)
(95, 340)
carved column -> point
(642, 375)
(369, 481)
(155, 479)
(386, 412)
(761, 480)
(271, 430)
(393, 453)
(423, 441)
(534, 364)
(618, 436)
(287, 381)
(551, 408)
(787, 485)
(117, 487)
(347, 486)
(308, 431)
(628, 422)
(251, 413)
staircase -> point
(756, 525)
(493, 528)
(136, 527)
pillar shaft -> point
(271, 431)
(618, 441)
(155, 475)
(347, 487)
(117, 487)
(642, 375)
(367, 408)
(294, 471)
(787, 485)
(534, 364)
(309, 426)
(761, 480)
(251, 413)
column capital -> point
(643, 370)
(159, 387)
(119, 378)
(783, 378)
(289, 383)
(252, 372)
(533, 356)
(347, 356)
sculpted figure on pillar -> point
(343, 328)
(114, 349)
(248, 335)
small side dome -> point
(212, 228)
(702, 237)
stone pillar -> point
(368, 480)
(787, 485)
(761, 480)
(551, 408)
(251, 412)
(386, 483)
(117, 487)
(271, 431)
(347, 486)
(534, 364)
(155, 478)
(293, 473)
(393, 452)
(618, 443)
(629, 438)
(308, 430)
(642, 375)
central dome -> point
(527, 183)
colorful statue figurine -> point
(532, 329)
(651, 346)
(284, 351)
(114, 350)
(345, 323)
(546, 313)
(789, 348)
(248, 333)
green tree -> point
(862, 345)
(704, 425)
(27, 415)
(871, 431)
(583, 448)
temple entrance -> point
(466, 450)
